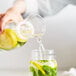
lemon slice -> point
(38, 66)
(8, 39)
(24, 31)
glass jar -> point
(43, 63)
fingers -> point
(3, 22)
(0, 27)
(17, 19)
(1, 17)
(8, 18)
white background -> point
(60, 36)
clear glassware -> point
(43, 63)
(32, 26)
(38, 24)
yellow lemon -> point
(38, 66)
(8, 39)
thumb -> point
(1, 17)
(1, 27)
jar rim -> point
(48, 51)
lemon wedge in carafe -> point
(16, 36)
(8, 39)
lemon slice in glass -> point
(38, 66)
(8, 39)
(24, 31)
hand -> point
(10, 16)
(1, 16)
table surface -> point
(59, 73)
(12, 73)
(18, 73)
